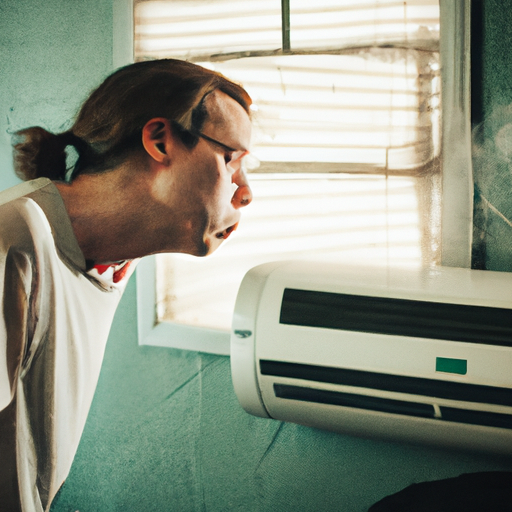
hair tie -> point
(73, 148)
(70, 139)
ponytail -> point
(39, 153)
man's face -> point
(212, 187)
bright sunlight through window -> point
(345, 162)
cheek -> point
(212, 169)
(220, 199)
(218, 185)
(219, 205)
(215, 185)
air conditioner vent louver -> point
(386, 382)
(372, 403)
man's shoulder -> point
(23, 189)
(21, 220)
(21, 216)
(35, 209)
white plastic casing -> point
(258, 336)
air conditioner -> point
(407, 355)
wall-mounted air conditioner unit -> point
(414, 356)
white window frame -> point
(457, 189)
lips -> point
(225, 234)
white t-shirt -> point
(54, 322)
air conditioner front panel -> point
(401, 349)
(417, 357)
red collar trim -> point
(120, 270)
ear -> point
(157, 139)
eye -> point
(228, 157)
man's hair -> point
(109, 124)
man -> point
(160, 148)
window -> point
(347, 162)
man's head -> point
(202, 188)
(179, 132)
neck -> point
(110, 213)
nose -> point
(243, 193)
(242, 196)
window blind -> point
(346, 130)
(193, 29)
(375, 110)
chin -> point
(210, 246)
(205, 249)
(206, 246)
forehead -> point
(227, 120)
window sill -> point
(167, 334)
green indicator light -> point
(447, 365)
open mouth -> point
(225, 234)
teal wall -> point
(493, 142)
(165, 432)
(52, 53)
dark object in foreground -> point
(472, 492)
